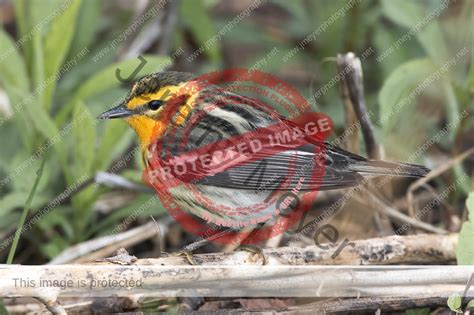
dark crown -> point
(153, 82)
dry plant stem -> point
(239, 273)
(24, 308)
(144, 38)
(433, 174)
(367, 304)
(352, 87)
(116, 181)
(169, 25)
(351, 142)
(449, 216)
(329, 305)
(38, 308)
(158, 243)
(52, 305)
(104, 246)
(149, 33)
(161, 27)
(434, 194)
(413, 249)
(352, 79)
(382, 207)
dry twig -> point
(413, 249)
(52, 305)
(433, 174)
(386, 209)
(106, 245)
(350, 69)
(367, 304)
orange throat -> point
(146, 128)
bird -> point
(171, 111)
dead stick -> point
(106, 245)
(107, 279)
(367, 304)
(351, 70)
(351, 134)
(412, 249)
(52, 305)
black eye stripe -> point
(155, 104)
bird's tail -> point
(375, 168)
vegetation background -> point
(58, 63)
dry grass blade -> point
(366, 304)
(106, 245)
(382, 207)
(353, 92)
(433, 174)
(351, 142)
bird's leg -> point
(188, 249)
(252, 248)
(188, 255)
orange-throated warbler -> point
(147, 109)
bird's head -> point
(146, 101)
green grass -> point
(3, 310)
(24, 214)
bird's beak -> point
(117, 112)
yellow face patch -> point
(165, 93)
(149, 127)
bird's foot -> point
(254, 250)
(188, 255)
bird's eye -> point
(155, 104)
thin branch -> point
(413, 249)
(433, 174)
(350, 69)
(52, 305)
(367, 304)
(386, 209)
(351, 141)
(116, 181)
(169, 24)
(106, 245)
(241, 274)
